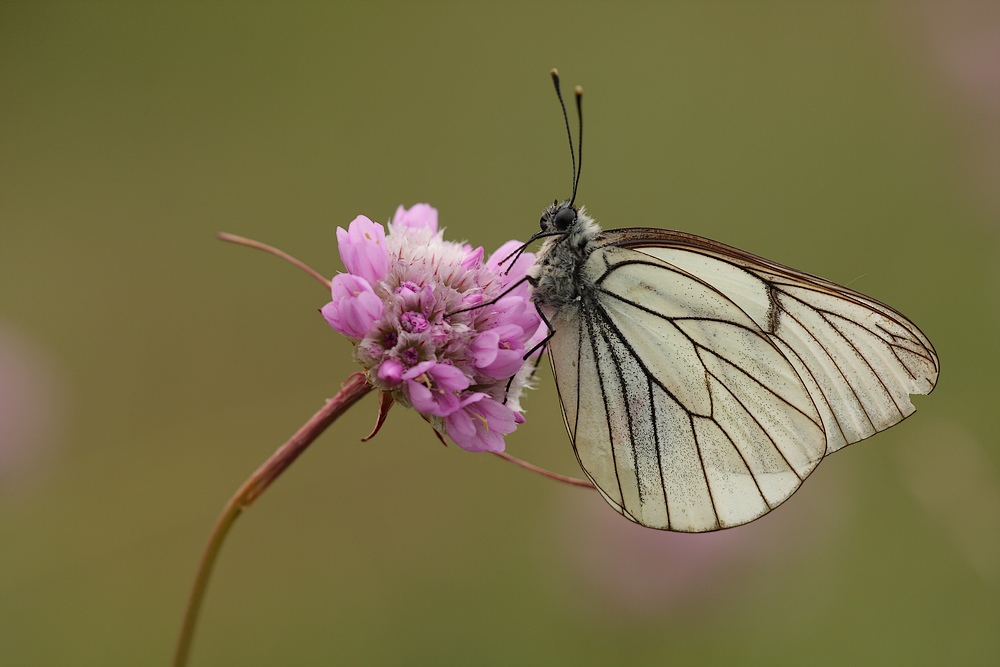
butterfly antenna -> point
(579, 137)
(569, 133)
(523, 248)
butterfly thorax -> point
(557, 271)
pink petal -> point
(390, 372)
(418, 370)
(474, 259)
(363, 250)
(421, 398)
(499, 352)
(418, 217)
(449, 377)
(490, 421)
(438, 399)
(484, 348)
(355, 306)
(511, 272)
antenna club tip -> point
(578, 90)
(554, 72)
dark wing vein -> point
(579, 365)
(623, 387)
(656, 445)
(606, 321)
(607, 326)
(822, 394)
(836, 365)
(698, 346)
(772, 273)
(604, 397)
(704, 473)
(828, 317)
(732, 442)
(746, 409)
(922, 350)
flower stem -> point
(350, 393)
(572, 481)
(250, 243)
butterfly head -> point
(566, 223)
(559, 217)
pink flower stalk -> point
(399, 303)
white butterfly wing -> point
(860, 358)
(700, 384)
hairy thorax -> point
(557, 271)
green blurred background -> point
(146, 369)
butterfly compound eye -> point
(564, 219)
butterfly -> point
(701, 384)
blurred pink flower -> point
(635, 570)
(403, 301)
(31, 412)
(958, 44)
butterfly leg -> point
(545, 341)
(510, 288)
(539, 348)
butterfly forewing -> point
(859, 358)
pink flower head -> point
(363, 249)
(404, 301)
(355, 306)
